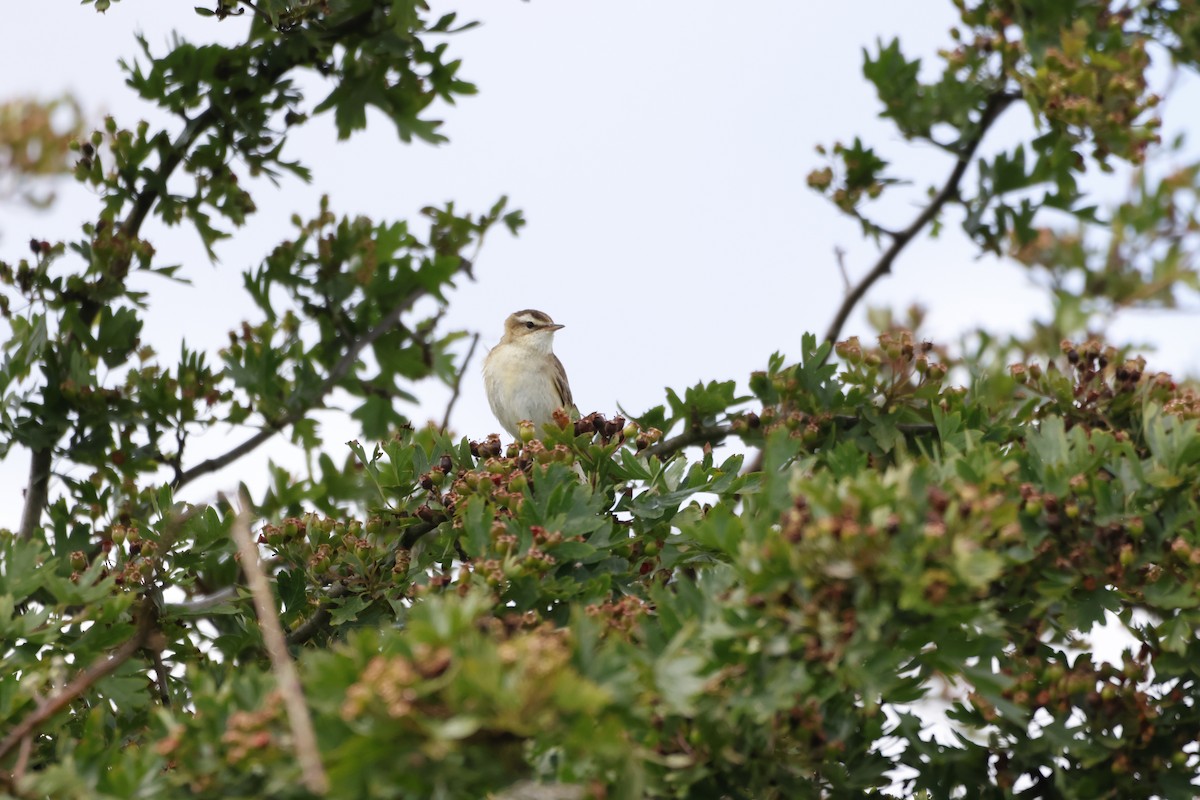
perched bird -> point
(524, 379)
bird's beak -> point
(554, 327)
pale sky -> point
(659, 151)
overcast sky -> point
(659, 151)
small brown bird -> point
(524, 379)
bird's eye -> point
(529, 325)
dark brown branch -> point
(909, 428)
(996, 104)
(174, 157)
(147, 624)
(336, 374)
(320, 618)
(458, 383)
(303, 734)
(704, 434)
(214, 464)
(413, 533)
(38, 492)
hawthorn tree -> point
(608, 610)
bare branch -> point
(996, 104)
(458, 383)
(307, 629)
(413, 533)
(313, 771)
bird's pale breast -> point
(520, 385)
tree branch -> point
(996, 103)
(37, 493)
(410, 535)
(704, 434)
(458, 383)
(174, 157)
(147, 616)
(307, 629)
(339, 371)
(214, 464)
(97, 671)
(160, 680)
(305, 737)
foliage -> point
(594, 610)
(1080, 70)
(35, 141)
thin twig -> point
(339, 371)
(458, 383)
(846, 422)
(840, 254)
(214, 464)
(309, 755)
(995, 105)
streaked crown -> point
(523, 323)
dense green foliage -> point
(900, 524)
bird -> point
(523, 377)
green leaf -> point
(1176, 634)
(346, 609)
(677, 677)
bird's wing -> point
(560, 384)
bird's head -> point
(530, 328)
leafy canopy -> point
(894, 523)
